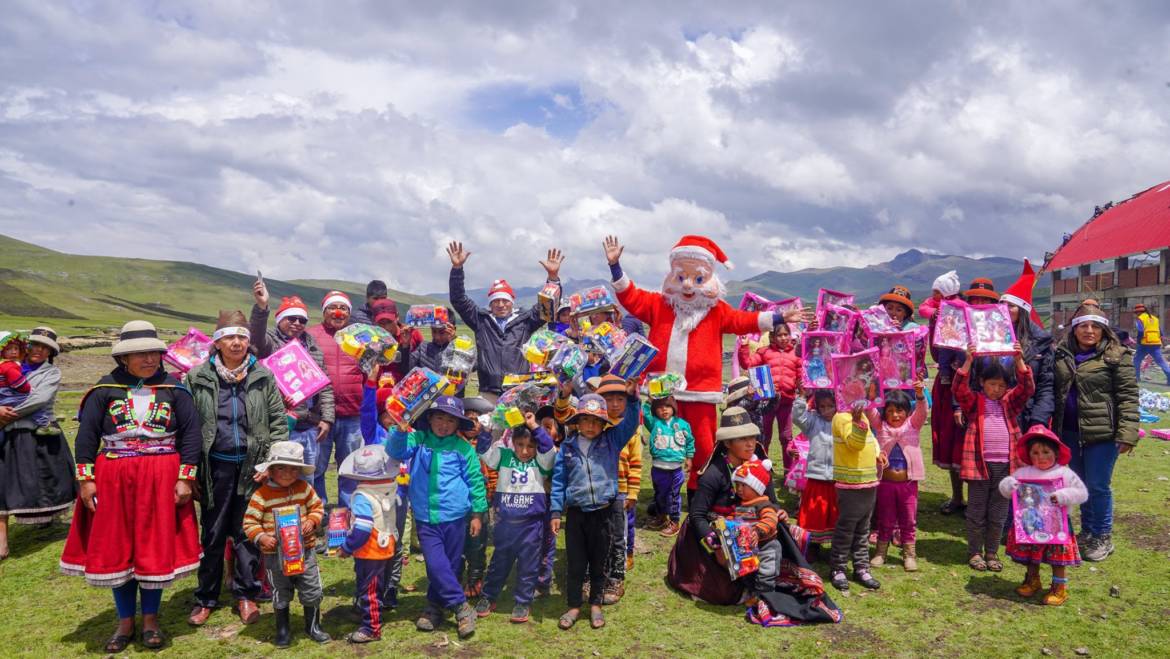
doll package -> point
(297, 375)
(990, 328)
(950, 325)
(817, 349)
(896, 358)
(191, 350)
(856, 378)
(1037, 520)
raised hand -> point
(260, 294)
(457, 254)
(552, 263)
(613, 249)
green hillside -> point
(86, 295)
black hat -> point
(376, 288)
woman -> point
(694, 568)
(242, 413)
(137, 450)
(36, 467)
(1096, 416)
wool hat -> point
(231, 323)
(287, 453)
(7, 337)
(735, 423)
(448, 405)
(700, 247)
(1040, 432)
(1020, 292)
(336, 297)
(376, 288)
(981, 287)
(46, 337)
(384, 309)
(591, 405)
(737, 389)
(137, 336)
(756, 474)
(369, 463)
(947, 283)
(501, 290)
(610, 384)
(901, 295)
(292, 306)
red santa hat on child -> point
(501, 290)
(291, 306)
(700, 247)
(336, 297)
(756, 474)
(1020, 293)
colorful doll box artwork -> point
(950, 325)
(297, 376)
(630, 359)
(757, 303)
(876, 320)
(1037, 520)
(833, 318)
(827, 297)
(818, 348)
(762, 385)
(896, 359)
(190, 351)
(856, 378)
(990, 328)
(797, 476)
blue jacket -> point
(445, 481)
(589, 481)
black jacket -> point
(715, 492)
(1039, 355)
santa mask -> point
(693, 288)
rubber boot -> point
(879, 557)
(313, 625)
(909, 557)
(283, 629)
(1057, 595)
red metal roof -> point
(1138, 224)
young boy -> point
(546, 416)
(751, 480)
(373, 535)
(629, 481)
(521, 505)
(585, 489)
(672, 446)
(475, 547)
(284, 487)
(445, 487)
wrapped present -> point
(737, 541)
(191, 350)
(542, 345)
(1035, 518)
(336, 530)
(990, 327)
(414, 394)
(427, 315)
(549, 299)
(604, 338)
(762, 386)
(630, 359)
(289, 544)
(590, 300)
(297, 375)
(797, 476)
(876, 320)
(817, 349)
(370, 345)
(663, 385)
(826, 297)
(856, 379)
(515, 402)
(833, 318)
(950, 326)
(896, 358)
(568, 361)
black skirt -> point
(37, 476)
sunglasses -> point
(297, 320)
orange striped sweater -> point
(764, 515)
(630, 467)
(259, 518)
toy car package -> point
(289, 544)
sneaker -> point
(1098, 548)
(465, 620)
(840, 582)
(629, 562)
(656, 523)
(429, 620)
(484, 607)
(519, 614)
(1083, 539)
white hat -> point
(369, 463)
(947, 283)
(46, 337)
(138, 336)
(287, 453)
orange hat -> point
(1020, 292)
(901, 295)
(981, 287)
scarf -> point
(233, 375)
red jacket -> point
(785, 366)
(343, 372)
(973, 466)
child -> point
(818, 501)
(14, 386)
(629, 482)
(989, 451)
(781, 358)
(446, 486)
(751, 481)
(521, 504)
(284, 487)
(1045, 457)
(585, 489)
(672, 447)
(897, 495)
(374, 422)
(946, 427)
(475, 547)
(546, 415)
(856, 460)
(373, 536)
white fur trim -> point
(766, 464)
(500, 295)
(676, 351)
(336, 298)
(1089, 318)
(692, 251)
(623, 283)
(765, 321)
(230, 331)
(299, 312)
(1008, 297)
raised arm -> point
(457, 291)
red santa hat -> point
(291, 306)
(336, 297)
(700, 247)
(1020, 292)
(501, 290)
(756, 474)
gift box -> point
(297, 375)
(1036, 519)
(950, 326)
(817, 349)
(897, 360)
(414, 394)
(545, 378)
(826, 296)
(191, 350)
(664, 385)
(549, 299)
(762, 386)
(856, 379)
(336, 530)
(876, 320)
(990, 329)
(427, 315)
(542, 345)
(289, 544)
(594, 298)
(370, 345)
(738, 542)
(632, 357)
(604, 338)
(756, 303)
(797, 476)
(568, 361)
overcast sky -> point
(353, 139)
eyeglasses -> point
(297, 320)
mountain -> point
(88, 294)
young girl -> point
(781, 358)
(945, 420)
(897, 496)
(672, 446)
(989, 451)
(1045, 457)
(818, 501)
(856, 461)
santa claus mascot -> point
(687, 320)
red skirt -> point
(136, 532)
(946, 436)
(1063, 554)
(818, 510)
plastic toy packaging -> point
(514, 402)
(630, 359)
(548, 299)
(288, 540)
(664, 385)
(826, 297)
(297, 376)
(414, 394)
(990, 327)
(737, 541)
(595, 298)
(336, 530)
(856, 380)
(833, 318)
(370, 345)
(950, 325)
(1037, 520)
(604, 338)
(427, 315)
(792, 304)
(797, 476)
(896, 359)
(457, 360)
(190, 351)
(817, 349)
(568, 361)
(762, 386)
(876, 320)
(540, 377)
(542, 345)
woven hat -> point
(287, 453)
(591, 405)
(7, 337)
(369, 463)
(756, 474)
(981, 287)
(137, 336)
(610, 384)
(1042, 433)
(901, 295)
(734, 424)
(46, 337)
(737, 389)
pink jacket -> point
(784, 364)
(905, 436)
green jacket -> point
(267, 421)
(1107, 393)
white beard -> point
(689, 313)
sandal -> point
(118, 643)
(993, 563)
(978, 564)
(153, 639)
(568, 620)
(597, 619)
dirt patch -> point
(80, 370)
(1145, 531)
(853, 637)
(445, 645)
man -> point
(375, 290)
(1149, 342)
(384, 313)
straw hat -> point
(46, 337)
(137, 336)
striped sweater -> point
(629, 476)
(259, 518)
(764, 516)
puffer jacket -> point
(265, 341)
(345, 376)
(589, 480)
(264, 408)
(784, 364)
(1107, 392)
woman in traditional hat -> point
(137, 455)
(36, 466)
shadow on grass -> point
(25, 539)
(999, 591)
(94, 631)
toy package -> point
(604, 338)
(1037, 520)
(817, 349)
(950, 326)
(896, 358)
(632, 357)
(856, 380)
(762, 386)
(370, 345)
(737, 541)
(792, 304)
(427, 315)
(833, 318)
(991, 330)
(336, 529)
(826, 297)
(797, 476)
(876, 320)
(297, 376)
(542, 345)
(595, 298)
(190, 351)
(544, 378)
(548, 299)
(663, 385)
(514, 402)
(414, 394)
(289, 545)
(568, 361)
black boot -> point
(313, 625)
(283, 631)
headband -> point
(293, 311)
(1089, 318)
(231, 331)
